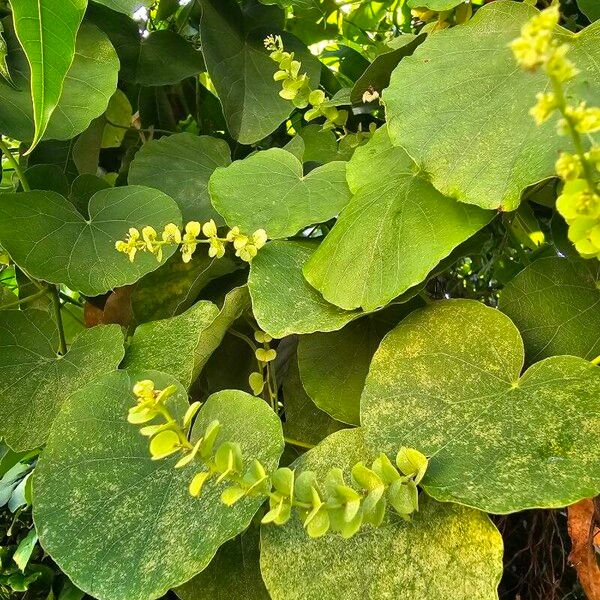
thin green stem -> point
(26, 300)
(243, 337)
(62, 342)
(298, 443)
(14, 163)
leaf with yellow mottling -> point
(447, 381)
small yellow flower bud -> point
(216, 248)
(144, 389)
(192, 229)
(568, 166)
(259, 238)
(240, 241)
(233, 233)
(544, 108)
(149, 236)
(171, 234)
(209, 229)
(247, 253)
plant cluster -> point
(299, 299)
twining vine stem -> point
(14, 163)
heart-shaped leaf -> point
(422, 559)
(121, 525)
(466, 122)
(282, 301)
(396, 228)
(180, 165)
(555, 304)
(36, 380)
(88, 86)
(277, 197)
(48, 237)
(242, 71)
(448, 382)
(49, 44)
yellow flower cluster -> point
(579, 201)
(296, 87)
(246, 246)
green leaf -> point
(396, 228)
(119, 112)
(122, 526)
(47, 30)
(25, 549)
(304, 422)
(88, 86)
(554, 303)
(180, 165)
(334, 366)
(377, 74)
(242, 71)
(175, 286)
(48, 237)
(170, 345)
(277, 197)
(466, 122)
(447, 382)
(442, 545)
(590, 8)
(126, 6)
(282, 301)
(36, 380)
(233, 573)
(4, 72)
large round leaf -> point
(555, 303)
(394, 231)
(50, 239)
(282, 301)
(460, 107)
(448, 381)
(121, 525)
(277, 197)
(180, 165)
(36, 380)
(446, 552)
(88, 86)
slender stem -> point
(27, 299)
(293, 442)
(14, 163)
(244, 337)
(130, 128)
(59, 323)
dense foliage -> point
(299, 299)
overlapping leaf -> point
(88, 86)
(121, 525)
(50, 239)
(181, 345)
(282, 301)
(47, 30)
(242, 71)
(233, 573)
(447, 552)
(555, 303)
(460, 107)
(395, 229)
(448, 381)
(36, 380)
(180, 165)
(277, 197)
(334, 366)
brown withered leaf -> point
(582, 556)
